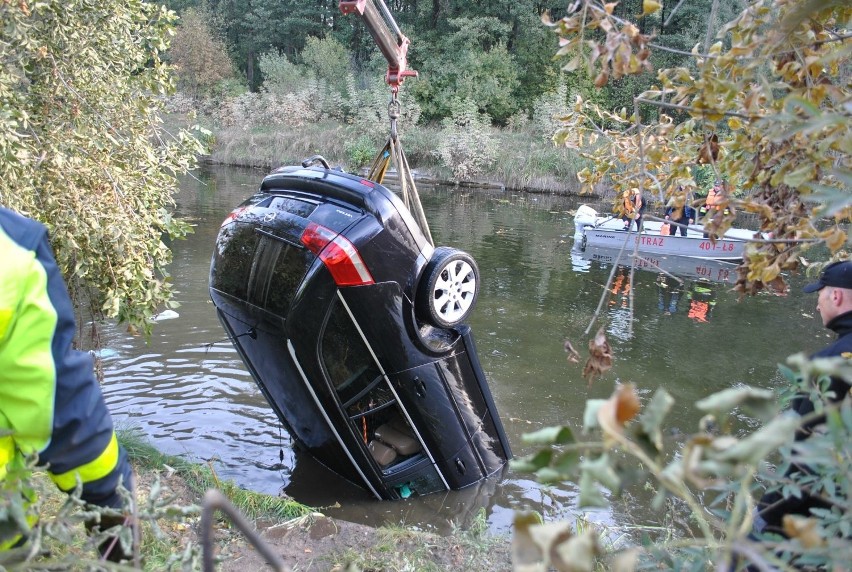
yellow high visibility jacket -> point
(50, 400)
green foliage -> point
(361, 152)
(716, 473)
(452, 45)
(83, 149)
(466, 144)
(280, 75)
(482, 71)
(328, 59)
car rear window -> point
(260, 258)
(300, 207)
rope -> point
(393, 152)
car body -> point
(351, 323)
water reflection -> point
(190, 393)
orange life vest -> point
(714, 198)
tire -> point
(448, 288)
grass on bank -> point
(403, 548)
(176, 510)
(201, 478)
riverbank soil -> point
(319, 543)
(324, 544)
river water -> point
(189, 393)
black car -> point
(352, 325)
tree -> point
(328, 60)
(200, 58)
(769, 113)
(83, 147)
(482, 70)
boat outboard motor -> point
(585, 216)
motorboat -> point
(594, 230)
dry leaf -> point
(573, 355)
(600, 357)
(709, 152)
(626, 403)
(650, 6)
(622, 407)
(803, 529)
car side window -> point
(364, 392)
(346, 358)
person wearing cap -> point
(834, 304)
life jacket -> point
(698, 310)
(714, 198)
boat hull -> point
(694, 268)
(660, 245)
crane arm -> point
(391, 41)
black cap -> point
(837, 274)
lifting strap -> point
(392, 153)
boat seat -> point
(381, 453)
(403, 444)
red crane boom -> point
(391, 41)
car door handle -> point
(419, 387)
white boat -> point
(681, 266)
(592, 229)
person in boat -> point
(634, 207)
(684, 215)
(834, 304)
(51, 403)
(716, 198)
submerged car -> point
(352, 325)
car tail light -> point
(338, 254)
(233, 216)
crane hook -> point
(393, 113)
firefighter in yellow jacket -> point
(50, 401)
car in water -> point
(353, 326)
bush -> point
(715, 474)
(547, 111)
(265, 109)
(466, 144)
(365, 106)
(360, 152)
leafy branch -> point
(769, 114)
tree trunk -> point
(250, 70)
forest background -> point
(276, 81)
